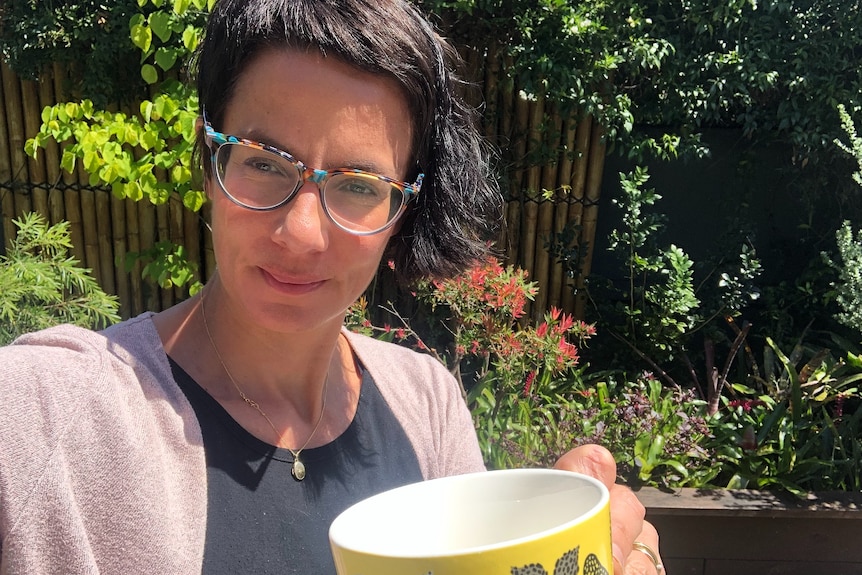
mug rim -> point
(337, 537)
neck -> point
(273, 367)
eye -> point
(264, 165)
(358, 186)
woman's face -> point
(292, 269)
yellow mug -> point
(505, 522)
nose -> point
(302, 225)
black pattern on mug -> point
(592, 566)
(566, 565)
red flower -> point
(528, 384)
(542, 330)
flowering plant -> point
(527, 391)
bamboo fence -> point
(553, 166)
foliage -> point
(582, 56)
(854, 145)
(773, 68)
(799, 430)
(655, 433)
(657, 308)
(682, 66)
(41, 285)
(848, 288)
(91, 35)
(148, 154)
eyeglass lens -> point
(262, 179)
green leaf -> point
(166, 58)
(142, 36)
(68, 161)
(194, 200)
(160, 22)
(134, 191)
(181, 6)
(30, 147)
(149, 74)
(180, 174)
(191, 38)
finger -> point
(592, 460)
(627, 512)
(627, 524)
(639, 563)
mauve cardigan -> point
(101, 461)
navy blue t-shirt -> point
(259, 518)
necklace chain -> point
(298, 469)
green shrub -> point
(41, 285)
(799, 430)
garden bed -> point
(739, 532)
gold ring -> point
(649, 552)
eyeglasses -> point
(261, 177)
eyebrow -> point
(363, 165)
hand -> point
(627, 513)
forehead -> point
(316, 106)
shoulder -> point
(399, 360)
(428, 402)
(84, 416)
(82, 357)
(53, 379)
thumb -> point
(592, 460)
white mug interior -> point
(468, 513)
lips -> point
(290, 284)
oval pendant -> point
(298, 470)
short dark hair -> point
(455, 217)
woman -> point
(224, 434)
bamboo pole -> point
(209, 252)
(558, 279)
(120, 247)
(192, 235)
(518, 149)
(513, 119)
(532, 195)
(51, 153)
(591, 210)
(133, 244)
(147, 230)
(15, 131)
(579, 182)
(177, 236)
(474, 63)
(92, 258)
(32, 115)
(546, 207)
(163, 233)
(7, 201)
(71, 196)
(492, 91)
(105, 242)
